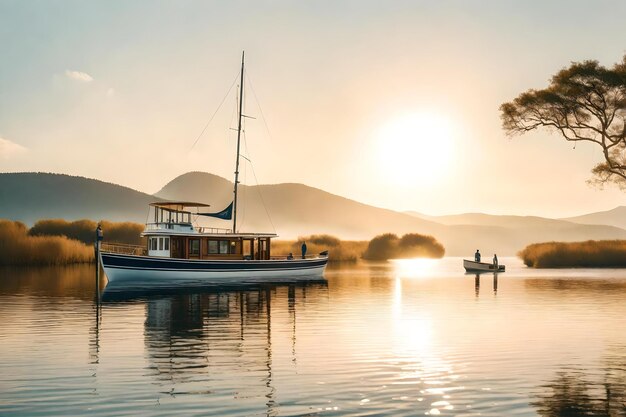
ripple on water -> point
(369, 342)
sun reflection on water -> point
(414, 268)
(414, 346)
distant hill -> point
(481, 219)
(298, 210)
(615, 217)
(28, 197)
(295, 209)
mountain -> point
(504, 233)
(481, 219)
(295, 210)
(615, 217)
(28, 197)
(299, 210)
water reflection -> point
(574, 392)
(375, 339)
(477, 277)
(192, 339)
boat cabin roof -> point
(199, 232)
(177, 205)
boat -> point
(179, 251)
(473, 266)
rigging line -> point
(244, 200)
(218, 109)
(245, 143)
(258, 103)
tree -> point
(584, 102)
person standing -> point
(477, 256)
(303, 250)
(99, 234)
(495, 261)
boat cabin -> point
(171, 233)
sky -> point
(391, 103)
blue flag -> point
(226, 214)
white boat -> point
(473, 266)
(179, 251)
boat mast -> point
(238, 146)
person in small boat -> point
(303, 249)
(477, 256)
(495, 261)
(290, 256)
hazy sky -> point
(392, 103)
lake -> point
(404, 338)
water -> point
(406, 338)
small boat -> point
(473, 266)
(178, 251)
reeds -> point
(382, 247)
(84, 230)
(338, 250)
(19, 248)
(411, 245)
(589, 254)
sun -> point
(416, 148)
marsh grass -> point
(382, 247)
(411, 245)
(338, 250)
(84, 230)
(19, 248)
(589, 254)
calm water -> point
(404, 338)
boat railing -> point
(214, 230)
(296, 257)
(167, 225)
(123, 249)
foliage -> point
(84, 230)
(323, 240)
(338, 250)
(18, 248)
(584, 102)
(414, 245)
(411, 245)
(589, 254)
(382, 247)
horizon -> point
(392, 105)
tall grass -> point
(339, 250)
(589, 254)
(19, 248)
(84, 230)
(382, 247)
(411, 245)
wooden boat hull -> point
(119, 267)
(472, 266)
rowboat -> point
(473, 266)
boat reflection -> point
(477, 282)
(121, 291)
(193, 337)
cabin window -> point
(166, 244)
(160, 243)
(224, 246)
(194, 247)
(153, 243)
(213, 247)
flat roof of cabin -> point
(177, 205)
(167, 232)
